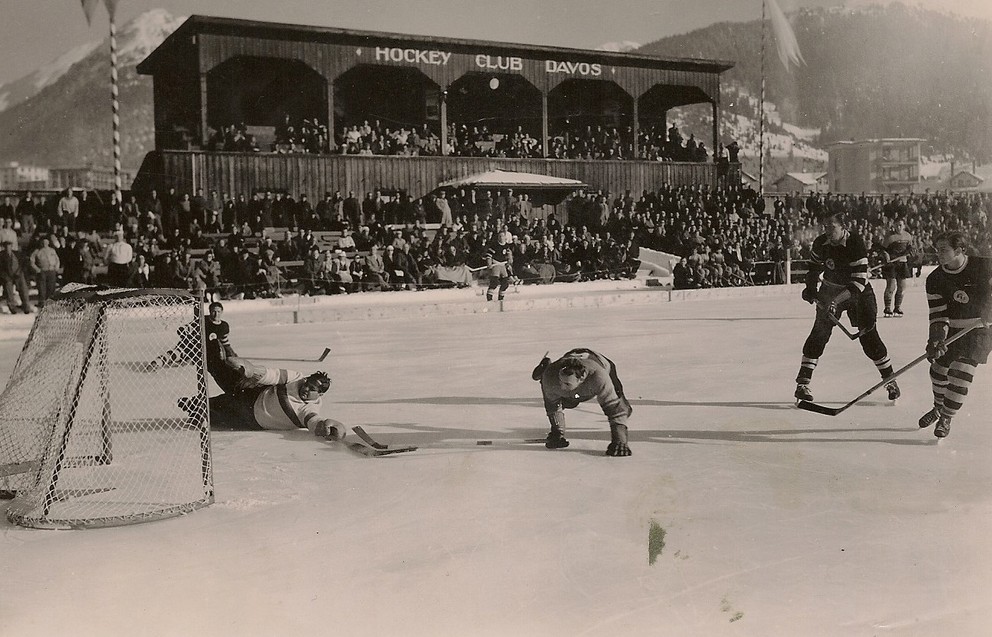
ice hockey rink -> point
(736, 515)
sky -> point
(35, 32)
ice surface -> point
(776, 521)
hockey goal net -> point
(91, 433)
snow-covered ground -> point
(761, 519)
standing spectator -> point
(352, 209)
(11, 277)
(45, 265)
(7, 209)
(442, 205)
(118, 256)
(27, 212)
(8, 234)
(68, 210)
(78, 265)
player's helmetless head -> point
(314, 386)
(835, 226)
(951, 249)
(215, 310)
(571, 375)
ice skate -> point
(803, 393)
(897, 313)
(887, 313)
(943, 426)
(929, 418)
(893, 388)
(555, 440)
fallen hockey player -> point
(269, 398)
(576, 377)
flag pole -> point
(115, 104)
(761, 110)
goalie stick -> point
(319, 359)
(375, 448)
(375, 444)
(369, 452)
(833, 411)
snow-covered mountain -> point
(18, 90)
(60, 114)
(619, 47)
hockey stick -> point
(833, 411)
(375, 444)
(369, 452)
(836, 321)
(319, 359)
(367, 439)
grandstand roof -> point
(198, 24)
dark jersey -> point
(959, 297)
(843, 264)
(218, 345)
(898, 245)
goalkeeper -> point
(576, 377)
(269, 398)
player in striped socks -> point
(959, 291)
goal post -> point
(91, 433)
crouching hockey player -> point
(265, 398)
(842, 258)
(576, 377)
(959, 292)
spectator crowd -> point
(566, 140)
(225, 245)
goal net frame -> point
(92, 433)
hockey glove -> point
(809, 295)
(539, 370)
(618, 441)
(326, 430)
(837, 302)
(936, 349)
(618, 450)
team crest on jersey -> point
(961, 297)
(830, 264)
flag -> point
(785, 39)
(88, 7)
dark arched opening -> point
(590, 119)
(264, 96)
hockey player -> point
(278, 399)
(499, 275)
(576, 377)
(842, 259)
(218, 347)
(897, 245)
(959, 291)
